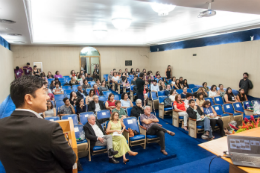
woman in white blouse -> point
(213, 91)
(173, 93)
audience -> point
(140, 87)
(241, 96)
(154, 86)
(72, 74)
(125, 101)
(98, 82)
(57, 75)
(116, 126)
(173, 93)
(204, 85)
(110, 76)
(214, 119)
(110, 104)
(73, 81)
(57, 80)
(95, 133)
(35, 71)
(168, 90)
(85, 84)
(73, 98)
(168, 72)
(181, 81)
(80, 106)
(27, 69)
(189, 96)
(184, 93)
(179, 106)
(202, 91)
(115, 80)
(103, 86)
(119, 110)
(81, 93)
(196, 113)
(50, 94)
(229, 96)
(52, 85)
(185, 83)
(150, 124)
(96, 105)
(173, 81)
(66, 109)
(125, 83)
(200, 99)
(50, 76)
(51, 111)
(162, 87)
(90, 97)
(221, 90)
(213, 91)
(18, 72)
(57, 90)
(178, 85)
(89, 78)
(133, 82)
(137, 110)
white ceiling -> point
(71, 22)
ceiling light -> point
(121, 23)
(100, 34)
(20, 42)
(14, 34)
(7, 21)
(162, 9)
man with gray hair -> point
(150, 123)
(96, 105)
(137, 110)
(95, 133)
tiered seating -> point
(128, 111)
(238, 117)
(59, 97)
(225, 117)
(72, 116)
(57, 118)
(149, 138)
(218, 100)
(210, 100)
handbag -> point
(167, 102)
(131, 133)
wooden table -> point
(217, 146)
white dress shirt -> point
(154, 88)
(212, 93)
(97, 131)
(29, 110)
(97, 107)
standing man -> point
(245, 83)
(27, 69)
(140, 87)
(29, 143)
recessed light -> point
(7, 21)
(14, 34)
(21, 42)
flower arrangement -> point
(246, 125)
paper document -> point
(116, 134)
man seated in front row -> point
(81, 93)
(96, 105)
(95, 133)
(66, 109)
(150, 122)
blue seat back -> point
(195, 90)
(210, 100)
(189, 90)
(179, 91)
(62, 79)
(228, 108)
(246, 103)
(88, 89)
(75, 87)
(106, 93)
(67, 91)
(218, 100)
(116, 97)
(84, 117)
(105, 77)
(49, 80)
(132, 87)
(191, 86)
(78, 130)
(59, 103)
(255, 101)
(218, 109)
(161, 93)
(56, 118)
(128, 111)
(238, 106)
(102, 98)
(103, 114)
(154, 96)
(161, 99)
(66, 87)
(132, 123)
(59, 97)
(71, 116)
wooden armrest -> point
(249, 110)
(192, 119)
(126, 131)
(239, 112)
(228, 113)
(143, 127)
(219, 115)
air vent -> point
(7, 21)
(15, 34)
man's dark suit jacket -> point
(79, 95)
(90, 134)
(92, 106)
(30, 144)
(192, 114)
(99, 91)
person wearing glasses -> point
(137, 110)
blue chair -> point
(149, 138)
(91, 83)
(192, 86)
(71, 116)
(102, 98)
(116, 97)
(66, 87)
(82, 143)
(189, 90)
(56, 118)
(128, 111)
(75, 87)
(162, 109)
(161, 93)
(140, 139)
(195, 90)
(105, 77)
(88, 89)
(225, 117)
(210, 100)
(59, 103)
(218, 100)
(49, 80)
(154, 98)
(103, 114)
(67, 91)
(59, 97)
(246, 104)
(62, 80)
(106, 93)
(179, 91)
(238, 117)
(238, 107)
(83, 117)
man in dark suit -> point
(96, 105)
(97, 91)
(81, 93)
(29, 143)
(95, 133)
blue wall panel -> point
(4, 43)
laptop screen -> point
(243, 144)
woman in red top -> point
(179, 106)
(110, 104)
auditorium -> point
(105, 86)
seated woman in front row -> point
(196, 113)
(119, 110)
(241, 96)
(179, 106)
(229, 96)
(115, 128)
(214, 119)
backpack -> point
(167, 103)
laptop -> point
(244, 151)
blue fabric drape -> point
(4, 43)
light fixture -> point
(121, 23)
(14, 34)
(162, 9)
(7, 21)
(100, 34)
(20, 42)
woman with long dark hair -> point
(241, 96)
(229, 96)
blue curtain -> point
(4, 43)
